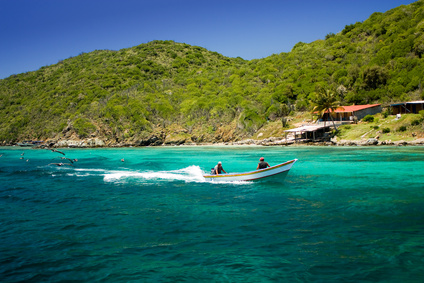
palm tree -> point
(325, 101)
(285, 111)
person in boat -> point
(218, 168)
(262, 164)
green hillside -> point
(167, 88)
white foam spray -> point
(188, 174)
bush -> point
(368, 118)
(402, 129)
(83, 127)
(375, 127)
(415, 122)
(421, 113)
(386, 130)
(385, 114)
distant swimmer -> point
(123, 160)
(262, 164)
(23, 153)
(61, 164)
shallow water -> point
(351, 214)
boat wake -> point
(188, 174)
(191, 174)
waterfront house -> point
(407, 107)
(348, 113)
(309, 132)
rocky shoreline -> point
(273, 141)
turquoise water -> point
(343, 214)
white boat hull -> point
(279, 170)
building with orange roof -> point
(348, 113)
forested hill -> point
(162, 86)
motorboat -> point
(279, 171)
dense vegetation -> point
(130, 93)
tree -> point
(325, 101)
(341, 91)
(374, 76)
(285, 111)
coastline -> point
(98, 143)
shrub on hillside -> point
(402, 129)
(385, 113)
(415, 123)
(368, 118)
(83, 127)
(386, 130)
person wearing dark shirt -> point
(219, 169)
(262, 164)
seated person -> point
(262, 164)
(219, 169)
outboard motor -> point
(213, 171)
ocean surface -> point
(343, 214)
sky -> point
(37, 33)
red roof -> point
(353, 108)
